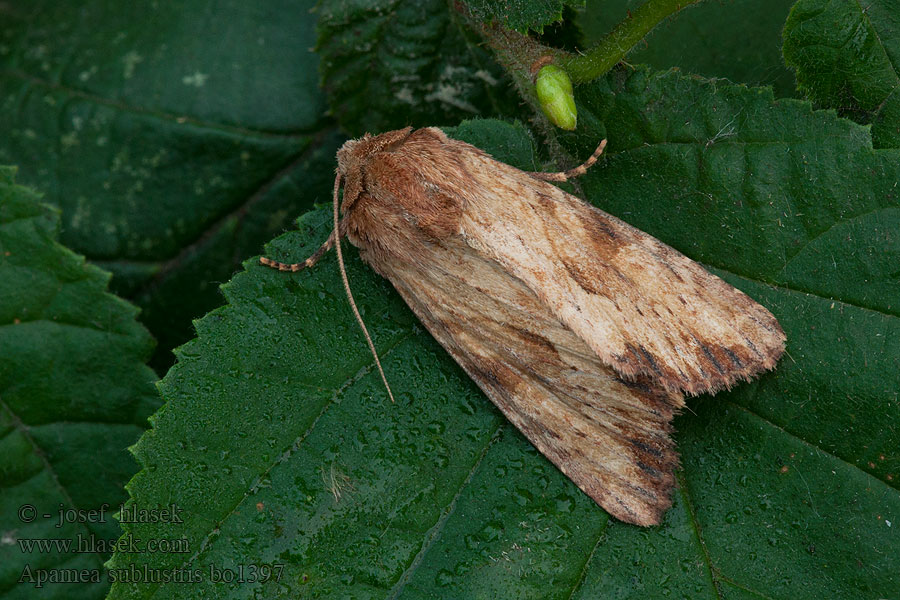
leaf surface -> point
(74, 394)
(789, 483)
(847, 56)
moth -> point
(584, 331)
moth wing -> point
(643, 307)
(609, 436)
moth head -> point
(354, 154)
(347, 156)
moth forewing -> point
(642, 306)
(583, 330)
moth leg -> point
(309, 262)
(576, 172)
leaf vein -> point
(865, 16)
(808, 443)
(157, 114)
(824, 232)
(42, 457)
(587, 563)
(698, 534)
(744, 588)
(784, 287)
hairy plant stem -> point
(613, 48)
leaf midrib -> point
(698, 533)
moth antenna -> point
(309, 262)
(359, 319)
(576, 172)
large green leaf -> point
(789, 483)
(175, 136)
(387, 64)
(739, 39)
(74, 394)
(847, 56)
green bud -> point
(554, 92)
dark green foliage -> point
(74, 394)
(522, 15)
(847, 56)
(739, 40)
(387, 64)
(176, 137)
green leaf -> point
(847, 56)
(521, 15)
(174, 137)
(387, 64)
(739, 40)
(789, 483)
(74, 394)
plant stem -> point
(613, 48)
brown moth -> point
(584, 331)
